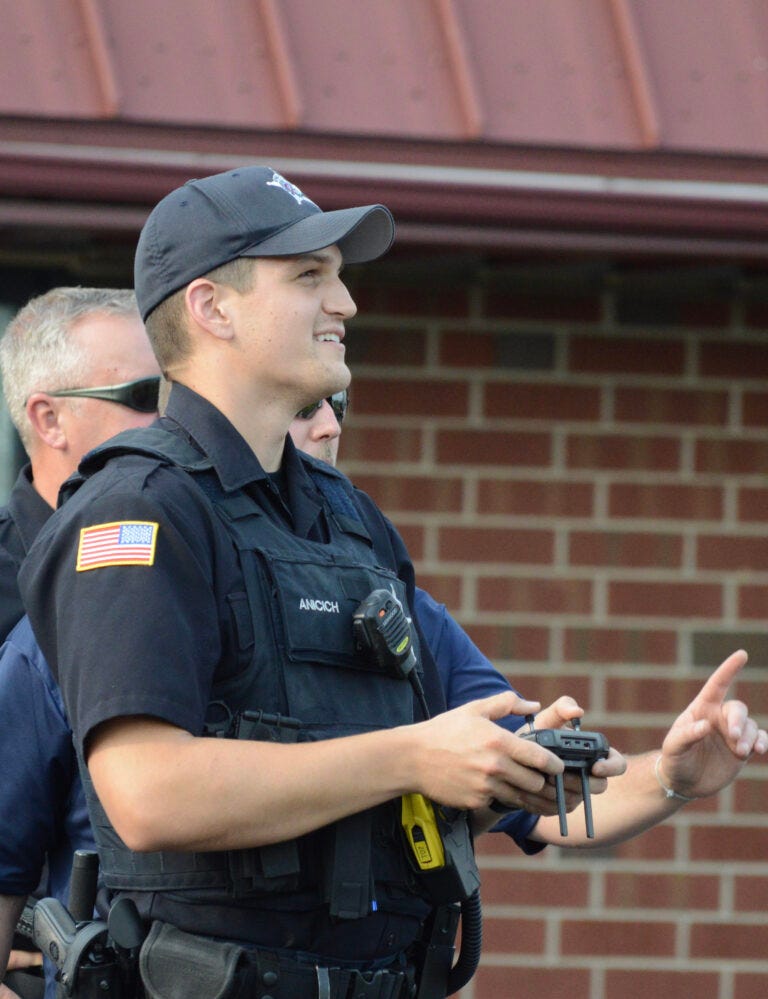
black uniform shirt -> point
(20, 523)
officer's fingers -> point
(500, 705)
(516, 784)
(555, 715)
(598, 785)
(525, 752)
(747, 739)
(739, 729)
(545, 802)
(537, 804)
(526, 768)
(715, 689)
(613, 766)
(573, 786)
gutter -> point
(110, 188)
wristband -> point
(668, 791)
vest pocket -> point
(332, 686)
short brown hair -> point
(166, 326)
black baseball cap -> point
(248, 212)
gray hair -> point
(37, 353)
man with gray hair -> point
(77, 368)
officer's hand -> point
(544, 802)
(709, 743)
(464, 760)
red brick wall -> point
(576, 456)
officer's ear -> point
(205, 302)
(43, 416)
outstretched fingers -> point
(714, 691)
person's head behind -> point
(73, 339)
(316, 429)
(215, 227)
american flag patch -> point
(124, 542)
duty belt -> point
(267, 977)
(175, 964)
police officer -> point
(92, 341)
(195, 597)
(89, 340)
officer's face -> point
(319, 435)
(291, 326)
(118, 351)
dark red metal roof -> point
(611, 74)
(492, 122)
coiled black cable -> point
(471, 943)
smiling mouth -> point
(329, 337)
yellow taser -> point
(420, 825)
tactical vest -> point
(305, 681)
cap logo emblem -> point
(288, 187)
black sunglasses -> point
(141, 395)
(339, 403)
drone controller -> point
(579, 751)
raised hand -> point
(709, 743)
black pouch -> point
(459, 877)
(176, 965)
